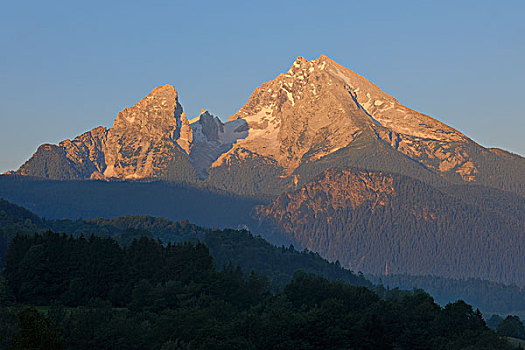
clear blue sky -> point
(66, 67)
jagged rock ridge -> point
(315, 109)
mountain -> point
(145, 141)
(319, 114)
(319, 108)
(319, 157)
(375, 221)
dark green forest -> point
(92, 293)
(237, 247)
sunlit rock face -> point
(141, 142)
(300, 116)
(312, 111)
(143, 134)
(88, 150)
(319, 107)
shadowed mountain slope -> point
(372, 221)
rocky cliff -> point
(317, 115)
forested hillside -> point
(237, 247)
(173, 297)
(253, 253)
(228, 247)
(372, 221)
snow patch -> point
(260, 131)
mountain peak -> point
(302, 67)
(319, 106)
(161, 105)
(166, 90)
(299, 60)
(302, 64)
(152, 123)
(384, 109)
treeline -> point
(237, 247)
(43, 268)
(227, 247)
(171, 297)
(490, 297)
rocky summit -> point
(317, 115)
(319, 107)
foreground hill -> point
(228, 247)
(376, 221)
(172, 297)
(302, 117)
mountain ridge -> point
(313, 110)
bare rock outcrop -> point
(316, 109)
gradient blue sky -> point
(66, 67)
